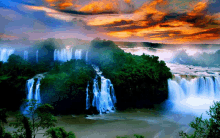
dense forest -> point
(139, 81)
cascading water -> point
(30, 85)
(195, 95)
(26, 55)
(87, 97)
(105, 98)
(5, 53)
(87, 56)
(78, 54)
(31, 95)
(37, 56)
(63, 55)
(37, 91)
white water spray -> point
(63, 55)
(78, 54)
(87, 97)
(37, 91)
(31, 95)
(5, 53)
(26, 55)
(87, 56)
(195, 95)
(104, 99)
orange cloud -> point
(107, 20)
(100, 7)
(62, 4)
(11, 37)
(152, 21)
(127, 1)
(121, 34)
(198, 8)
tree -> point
(59, 132)
(207, 128)
(3, 120)
(3, 117)
(37, 118)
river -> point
(149, 123)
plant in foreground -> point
(207, 128)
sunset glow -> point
(159, 21)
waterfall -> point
(37, 91)
(195, 95)
(37, 56)
(30, 85)
(105, 98)
(96, 93)
(78, 54)
(31, 95)
(5, 53)
(26, 55)
(86, 56)
(66, 55)
(63, 55)
(87, 97)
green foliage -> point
(64, 86)
(207, 128)
(3, 120)
(48, 45)
(138, 136)
(59, 132)
(35, 119)
(135, 135)
(38, 117)
(4, 134)
(3, 117)
(13, 77)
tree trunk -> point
(27, 127)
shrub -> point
(207, 128)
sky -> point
(156, 21)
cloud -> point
(173, 21)
(150, 23)
(63, 4)
(103, 6)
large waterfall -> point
(78, 54)
(104, 99)
(67, 54)
(87, 56)
(62, 55)
(87, 97)
(31, 94)
(5, 53)
(195, 95)
(26, 55)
